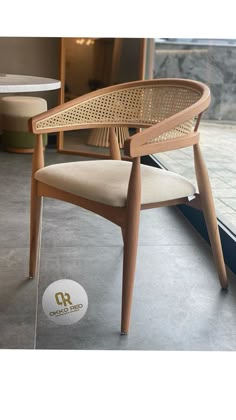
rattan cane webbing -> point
(178, 131)
(135, 105)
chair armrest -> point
(172, 133)
(132, 150)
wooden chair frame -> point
(142, 143)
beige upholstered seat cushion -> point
(107, 181)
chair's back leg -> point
(130, 244)
(114, 145)
(208, 208)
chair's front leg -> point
(35, 230)
(130, 244)
(35, 207)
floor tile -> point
(176, 306)
(18, 298)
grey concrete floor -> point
(177, 305)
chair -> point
(167, 114)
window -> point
(212, 62)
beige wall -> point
(31, 56)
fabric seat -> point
(107, 182)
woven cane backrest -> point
(168, 101)
(134, 106)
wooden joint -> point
(127, 146)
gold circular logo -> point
(65, 302)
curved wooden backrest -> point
(136, 104)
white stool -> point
(16, 112)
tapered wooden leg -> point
(130, 253)
(130, 247)
(35, 209)
(208, 208)
(35, 232)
